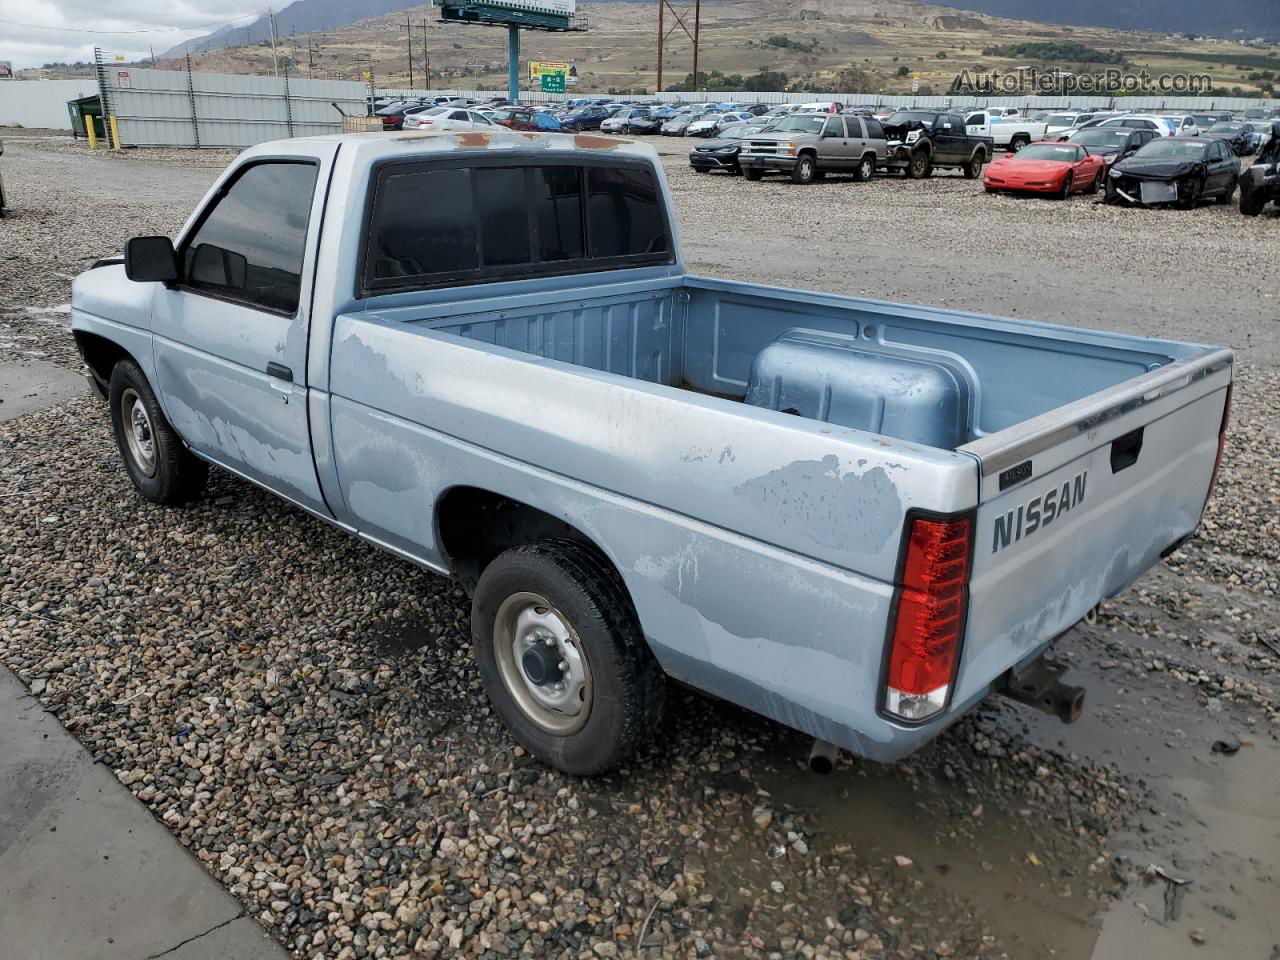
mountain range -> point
(1222, 18)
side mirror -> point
(150, 260)
(215, 266)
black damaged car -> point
(722, 152)
(1261, 182)
(1178, 171)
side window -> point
(855, 127)
(458, 115)
(834, 128)
(250, 246)
(874, 130)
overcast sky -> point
(23, 40)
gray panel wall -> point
(171, 108)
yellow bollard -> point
(93, 137)
(115, 132)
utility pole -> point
(408, 29)
(426, 56)
(153, 56)
(679, 16)
(275, 59)
(662, 36)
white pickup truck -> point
(1012, 133)
(483, 352)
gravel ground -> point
(304, 715)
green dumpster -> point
(84, 110)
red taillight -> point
(1222, 447)
(929, 620)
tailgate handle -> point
(1125, 450)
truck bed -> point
(704, 335)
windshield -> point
(1172, 150)
(801, 125)
(1060, 120)
(910, 116)
(1060, 152)
(1100, 137)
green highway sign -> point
(553, 83)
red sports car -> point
(1058, 169)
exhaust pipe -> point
(1037, 684)
(822, 758)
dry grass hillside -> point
(870, 45)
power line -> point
(198, 26)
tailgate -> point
(1078, 503)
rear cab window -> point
(445, 223)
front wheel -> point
(921, 166)
(154, 456)
(562, 656)
(805, 170)
(752, 173)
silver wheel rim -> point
(866, 169)
(525, 626)
(138, 432)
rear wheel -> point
(1019, 141)
(154, 456)
(866, 169)
(1252, 201)
(973, 169)
(1096, 182)
(562, 656)
(805, 170)
(1065, 191)
(921, 166)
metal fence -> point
(41, 103)
(1190, 104)
(179, 108)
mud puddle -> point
(1035, 887)
(1209, 818)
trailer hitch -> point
(1037, 684)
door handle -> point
(280, 372)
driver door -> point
(834, 152)
(230, 335)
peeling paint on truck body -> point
(760, 549)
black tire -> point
(752, 173)
(1252, 201)
(866, 169)
(701, 170)
(921, 166)
(973, 169)
(805, 170)
(582, 591)
(1067, 183)
(1230, 193)
(1019, 141)
(171, 474)
(1096, 182)
(1190, 201)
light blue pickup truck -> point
(482, 353)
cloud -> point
(36, 32)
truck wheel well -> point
(475, 526)
(100, 354)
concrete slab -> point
(86, 871)
(29, 385)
